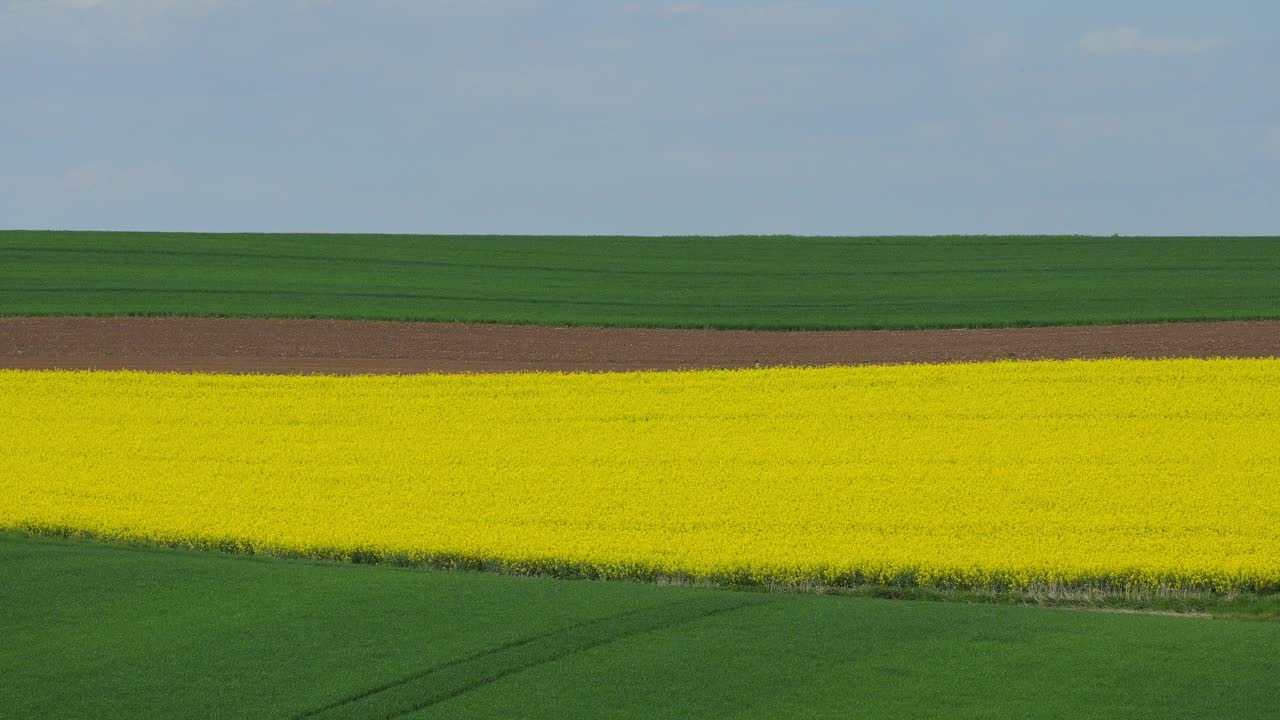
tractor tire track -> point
(452, 679)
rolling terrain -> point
(109, 629)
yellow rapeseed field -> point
(1112, 474)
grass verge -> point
(1172, 601)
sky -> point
(666, 118)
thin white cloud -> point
(99, 179)
(988, 49)
(1271, 140)
(1125, 40)
(94, 22)
(862, 28)
(127, 8)
(668, 11)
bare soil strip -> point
(254, 345)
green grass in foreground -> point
(108, 631)
(743, 282)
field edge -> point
(1235, 604)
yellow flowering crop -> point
(1122, 473)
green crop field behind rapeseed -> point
(724, 282)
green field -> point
(91, 630)
(102, 631)
(727, 282)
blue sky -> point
(520, 116)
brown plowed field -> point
(246, 345)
